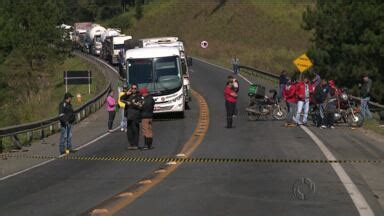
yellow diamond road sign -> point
(303, 63)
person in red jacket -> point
(303, 94)
(230, 97)
(289, 94)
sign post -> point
(78, 78)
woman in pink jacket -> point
(111, 104)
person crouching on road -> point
(303, 94)
(148, 104)
(230, 97)
(66, 117)
(289, 95)
(133, 105)
(111, 106)
(123, 120)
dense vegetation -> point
(348, 41)
(33, 56)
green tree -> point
(347, 42)
(138, 9)
(33, 44)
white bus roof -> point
(177, 44)
(120, 39)
(155, 52)
(160, 40)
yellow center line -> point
(124, 198)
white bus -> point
(159, 69)
(173, 42)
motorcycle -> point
(265, 107)
(348, 112)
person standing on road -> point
(230, 97)
(235, 64)
(319, 96)
(365, 95)
(123, 121)
(111, 108)
(332, 104)
(67, 118)
(282, 82)
(303, 94)
(132, 102)
(317, 80)
(235, 87)
(148, 104)
(289, 95)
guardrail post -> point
(42, 136)
(78, 116)
(16, 142)
(1, 144)
(50, 129)
(29, 137)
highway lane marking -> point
(118, 202)
(357, 197)
(55, 158)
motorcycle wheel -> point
(279, 114)
(356, 121)
(253, 116)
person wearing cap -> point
(123, 120)
(365, 95)
(66, 118)
(148, 104)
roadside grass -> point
(45, 104)
(262, 34)
(374, 125)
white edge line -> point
(53, 159)
(227, 69)
(357, 197)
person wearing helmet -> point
(148, 104)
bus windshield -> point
(159, 75)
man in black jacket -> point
(66, 117)
(148, 105)
(133, 104)
(319, 96)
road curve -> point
(72, 187)
(250, 189)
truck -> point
(79, 35)
(112, 46)
(93, 39)
(158, 69)
(110, 32)
(185, 62)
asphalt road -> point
(72, 187)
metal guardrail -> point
(275, 80)
(49, 126)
